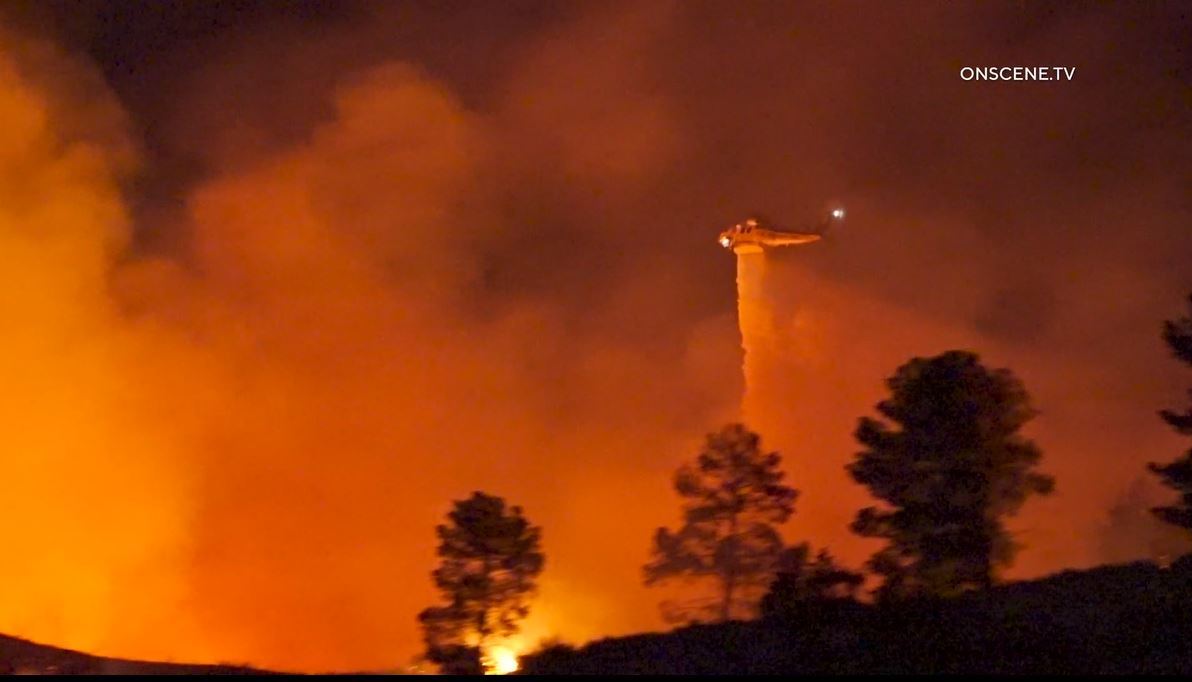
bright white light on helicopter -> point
(838, 213)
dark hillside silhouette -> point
(1129, 618)
(22, 657)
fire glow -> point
(259, 327)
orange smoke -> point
(385, 290)
(97, 499)
(240, 453)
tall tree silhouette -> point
(733, 499)
(1177, 475)
(489, 561)
(949, 475)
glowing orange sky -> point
(233, 417)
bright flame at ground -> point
(500, 660)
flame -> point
(500, 660)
